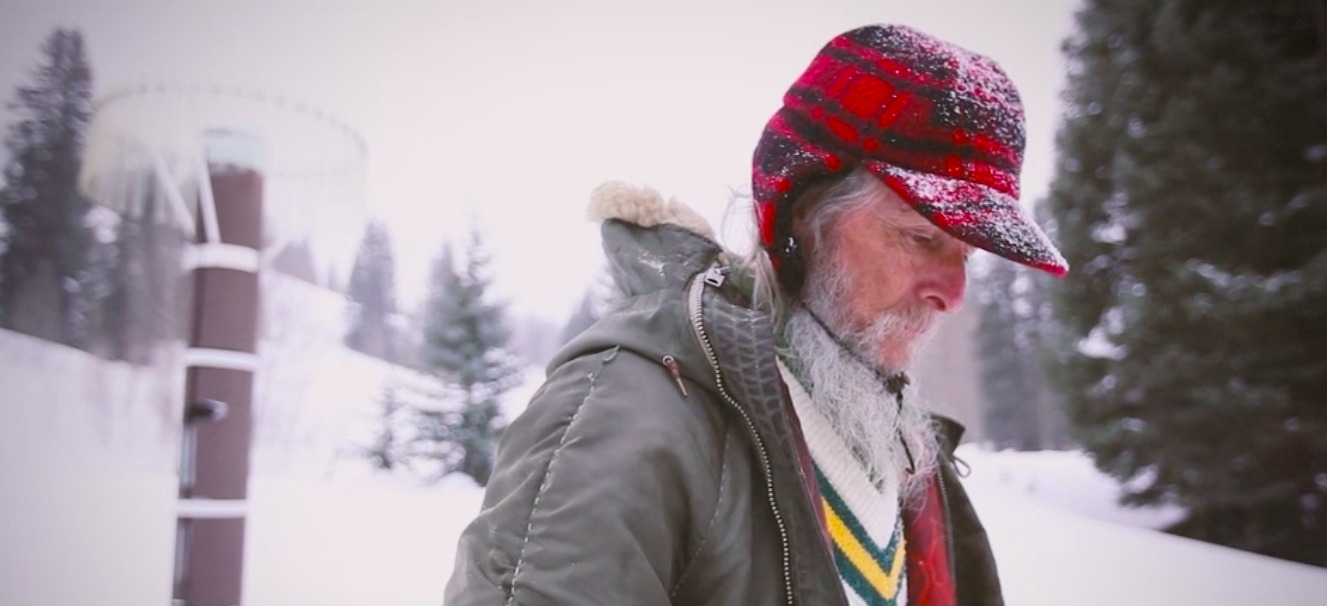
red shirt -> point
(930, 580)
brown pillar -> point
(218, 427)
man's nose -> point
(945, 284)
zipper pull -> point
(715, 276)
(670, 363)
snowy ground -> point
(1059, 539)
(376, 541)
(1062, 480)
(87, 514)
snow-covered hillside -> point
(87, 461)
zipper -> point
(949, 530)
(714, 276)
(670, 363)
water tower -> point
(239, 179)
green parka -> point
(657, 465)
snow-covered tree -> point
(372, 294)
(465, 337)
(140, 265)
(45, 263)
(1190, 197)
(600, 295)
(534, 339)
(581, 318)
(388, 451)
(1018, 411)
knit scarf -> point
(862, 520)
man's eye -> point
(923, 239)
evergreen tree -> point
(45, 263)
(139, 271)
(465, 335)
(534, 340)
(373, 295)
(387, 451)
(581, 318)
(1190, 197)
(600, 295)
(1017, 411)
(123, 315)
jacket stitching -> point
(548, 472)
(714, 517)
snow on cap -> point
(940, 125)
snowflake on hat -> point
(940, 125)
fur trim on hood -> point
(645, 207)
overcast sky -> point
(509, 112)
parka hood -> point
(654, 247)
(650, 243)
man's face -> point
(886, 274)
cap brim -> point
(979, 215)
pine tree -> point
(372, 292)
(139, 270)
(122, 312)
(464, 339)
(1191, 199)
(600, 295)
(581, 318)
(45, 263)
(1017, 411)
(387, 451)
(534, 340)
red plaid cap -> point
(941, 126)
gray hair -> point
(815, 212)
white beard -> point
(860, 408)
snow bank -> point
(1063, 480)
(354, 543)
(87, 457)
(1048, 556)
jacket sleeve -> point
(593, 493)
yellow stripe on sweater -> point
(884, 583)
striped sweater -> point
(864, 521)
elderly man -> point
(739, 430)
